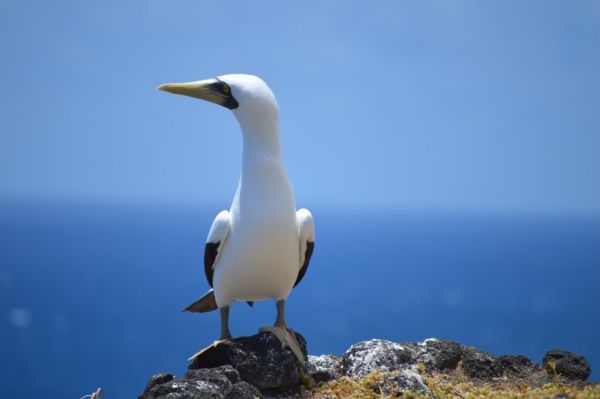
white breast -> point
(261, 258)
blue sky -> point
(398, 105)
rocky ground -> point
(258, 367)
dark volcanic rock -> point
(157, 379)
(516, 365)
(259, 359)
(184, 389)
(435, 354)
(243, 390)
(376, 354)
(481, 365)
(323, 368)
(228, 371)
(219, 382)
(567, 364)
(214, 376)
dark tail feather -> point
(205, 304)
(250, 303)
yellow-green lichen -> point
(378, 385)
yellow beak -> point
(213, 90)
(200, 89)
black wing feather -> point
(310, 246)
(211, 249)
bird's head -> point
(248, 96)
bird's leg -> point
(280, 322)
(225, 334)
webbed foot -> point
(287, 337)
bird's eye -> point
(226, 89)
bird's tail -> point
(205, 304)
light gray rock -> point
(376, 354)
(323, 368)
(406, 380)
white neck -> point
(262, 149)
(263, 182)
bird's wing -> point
(306, 230)
(217, 236)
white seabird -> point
(260, 248)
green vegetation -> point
(444, 386)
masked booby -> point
(261, 247)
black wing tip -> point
(310, 246)
(211, 250)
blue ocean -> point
(91, 295)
